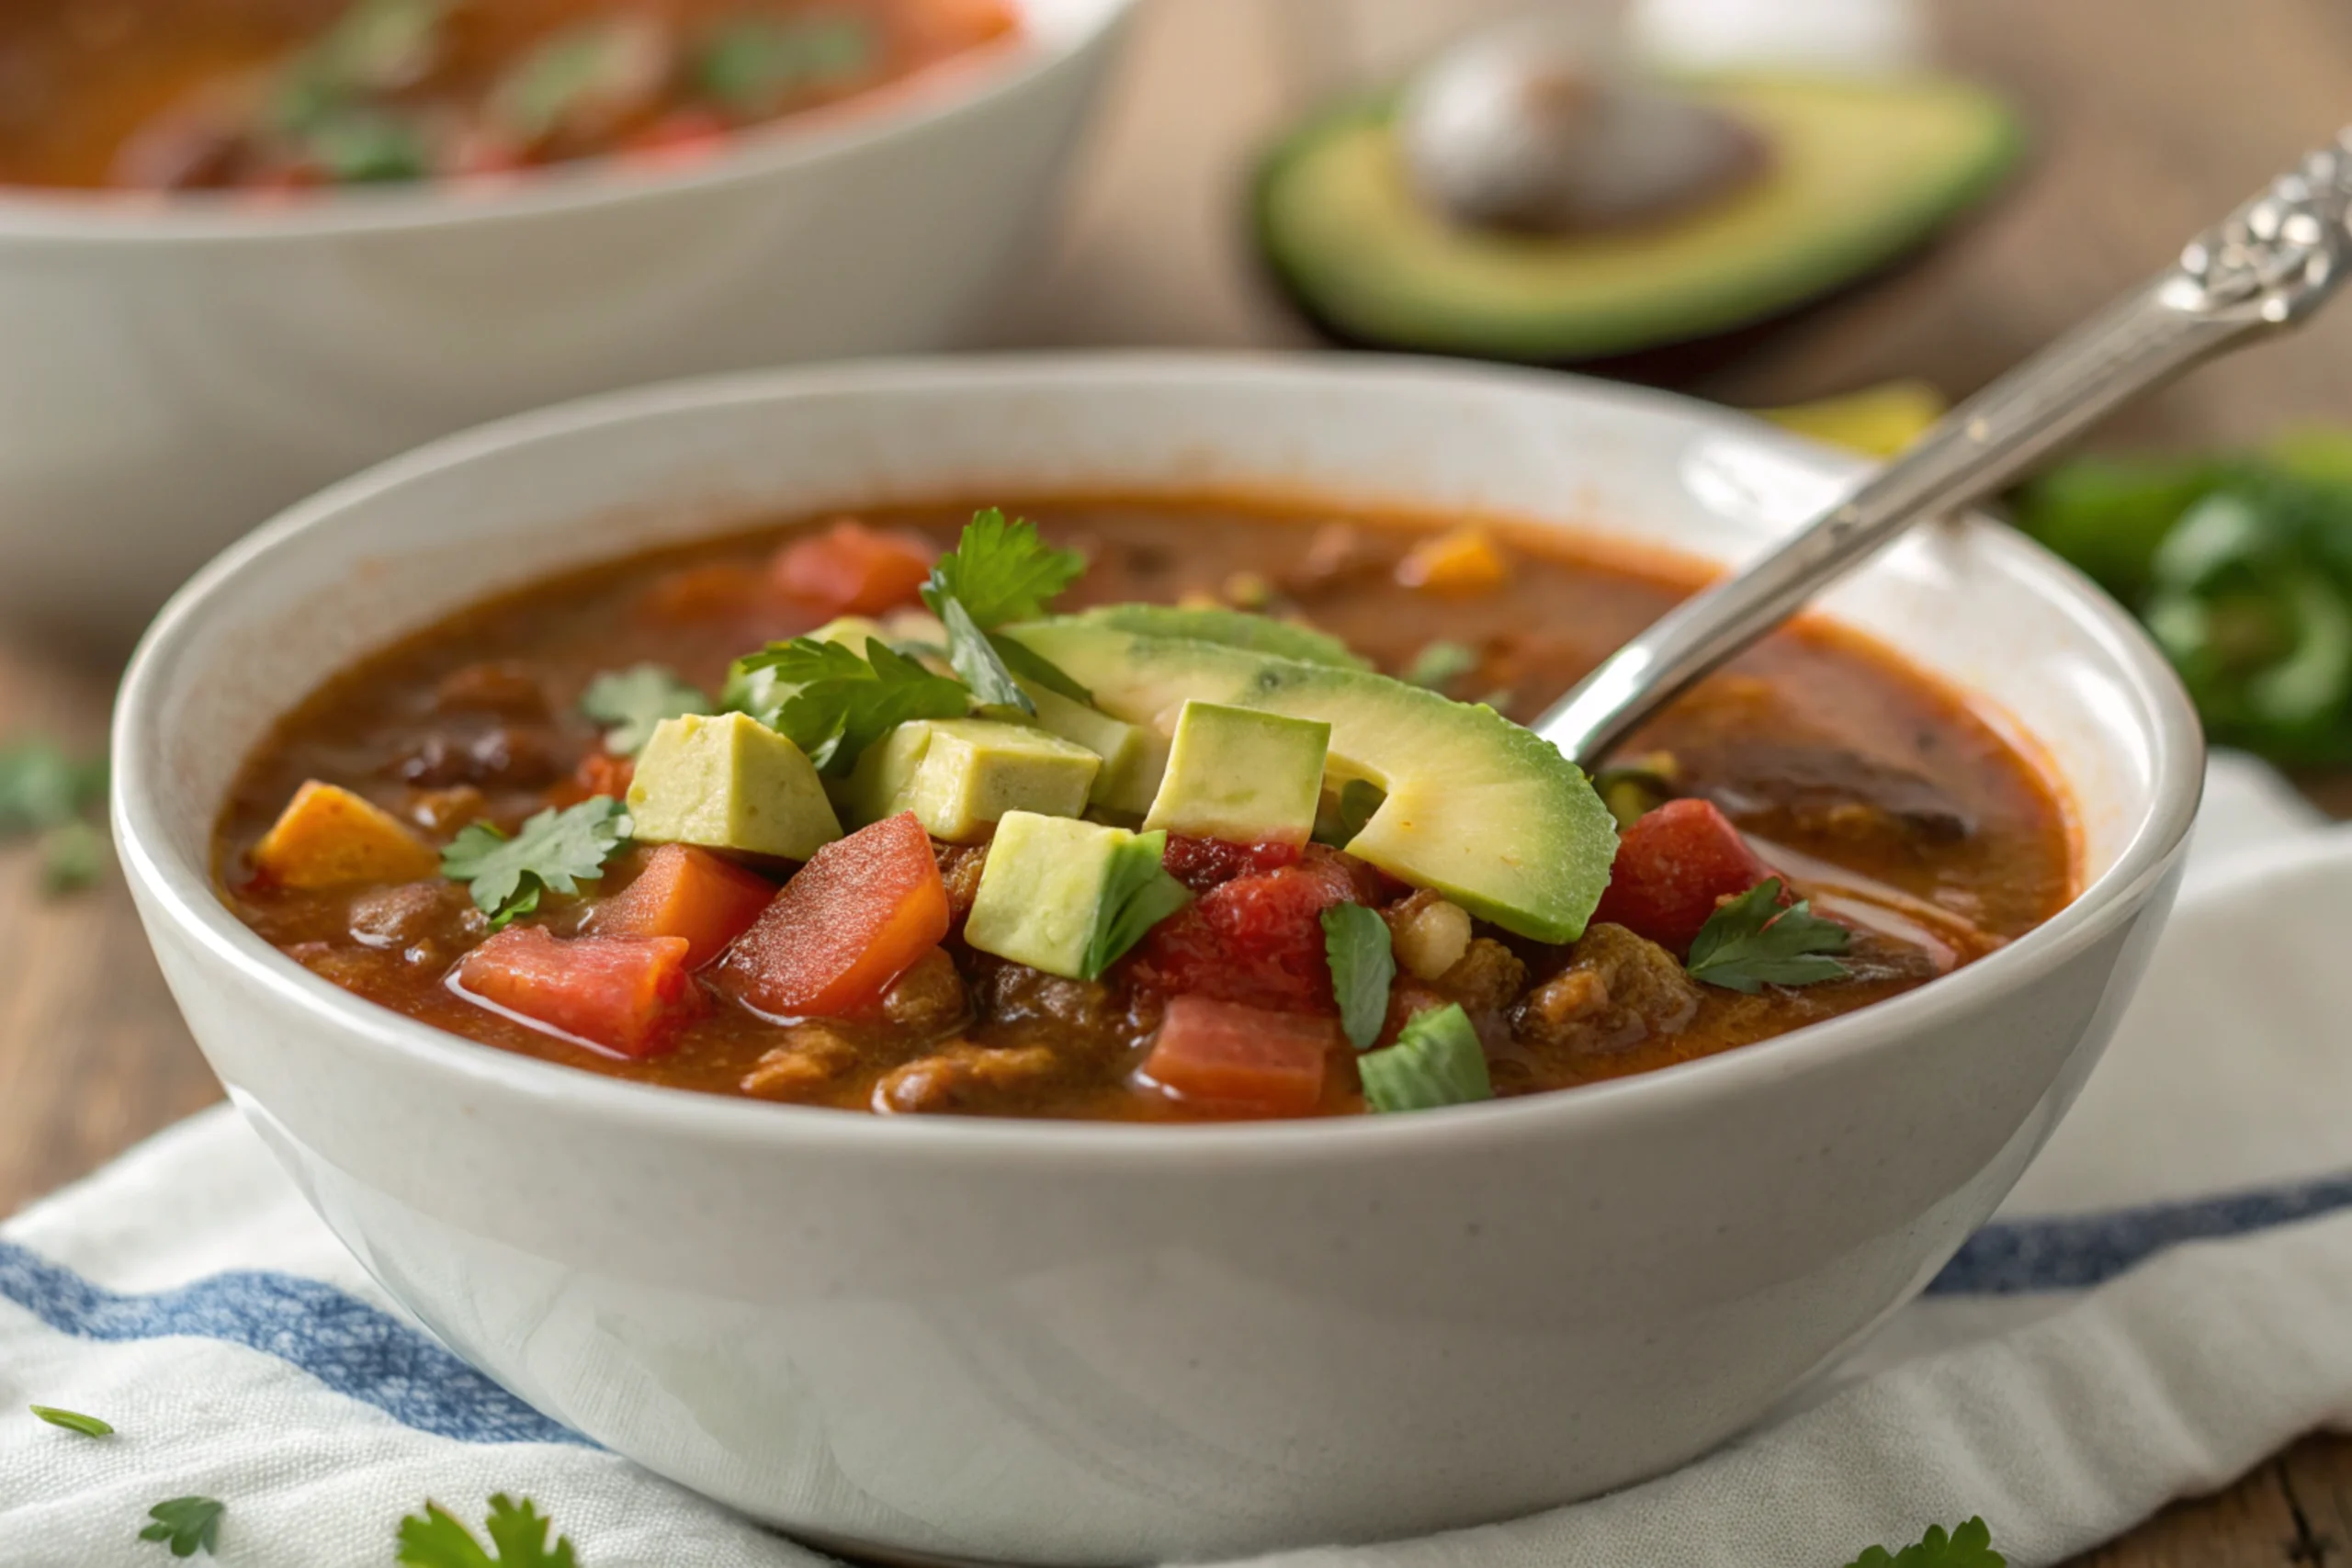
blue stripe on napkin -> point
(354, 1348)
(2076, 1252)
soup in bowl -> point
(972, 944)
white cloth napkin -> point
(2166, 1300)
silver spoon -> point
(2265, 268)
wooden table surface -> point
(2151, 117)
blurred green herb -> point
(187, 1523)
(73, 1421)
(1969, 1546)
(47, 793)
(517, 1532)
(755, 65)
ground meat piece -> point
(959, 867)
(1486, 979)
(1015, 994)
(509, 756)
(1618, 990)
(929, 997)
(499, 686)
(813, 1058)
(430, 921)
(963, 1077)
(1205, 864)
(1428, 933)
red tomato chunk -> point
(1258, 939)
(1673, 867)
(631, 995)
(1242, 1059)
(850, 570)
(849, 922)
(691, 892)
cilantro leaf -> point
(633, 700)
(1752, 941)
(1440, 665)
(751, 65)
(1969, 1546)
(832, 704)
(1001, 572)
(555, 852)
(1137, 894)
(1362, 964)
(44, 786)
(1037, 669)
(73, 1421)
(1342, 816)
(187, 1523)
(975, 657)
(518, 1531)
(1437, 1060)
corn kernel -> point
(1462, 562)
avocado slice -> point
(959, 776)
(1235, 628)
(1242, 775)
(1475, 807)
(1134, 758)
(1858, 172)
(728, 782)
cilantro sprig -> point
(631, 702)
(184, 1524)
(1437, 1060)
(73, 1421)
(555, 852)
(1356, 941)
(1969, 1546)
(517, 1532)
(833, 704)
(1751, 942)
(1137, 894)
(1000, 572)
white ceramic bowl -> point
(174, 372)
(1087, 1344)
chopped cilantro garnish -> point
(73, 1421)
(1137, 894)
(518, 1532)
(588, 63)
(45, 790)
(633, 700)
(1752, 941)
(1969, 1546)
(555, 852)
(1342, 816)
(999, 572)
(1440, 665)
(753, 66)
(185, 1523)
(832, 704)
(1437, 1060)
(1356, 941)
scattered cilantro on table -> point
(49, 794)
(1752, 941)
(833, 704)
(1969, 1546)
(1437, 1060)
(517, 1532)
(187, 1523)
(73, 1421)
(555, 852)
(1137, 894)
(1356, 941)
(632, 702)
(1001, 572)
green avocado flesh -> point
(1235, 628)
(1856, 174)
(1478, 808)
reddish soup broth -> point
(1881, 792)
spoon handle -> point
(2265, 267)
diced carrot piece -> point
(601, 772)
(1241, 1059)
(1461, 563)
(851, 921)
(328, 837)
(1674, 866)
(691, 892)
(721, 590)
(631, 995)
(850, 570)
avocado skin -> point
(1342, 291)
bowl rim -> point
(933, 98)
(180, 893)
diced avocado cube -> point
(959, 776)
(1069, 897)
(728, 781)
(1241, 774)
(1134, 758)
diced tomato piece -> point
(851, 569)
(627, 994)
(601, 772)
(1257, 939)
(1674, 866)
(1242, 1058)
(849, 922)
(1203, 863)
(691, 892)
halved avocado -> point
(1235, 628)
(1481, 810)
(1856, 173)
